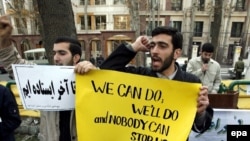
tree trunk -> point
(18, 6)
(86, 16)
(216, 28)
(191, 33)
(133, 6)
(227, 19)
(57, 20)
(244, 36)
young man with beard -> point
(165, 48)
(207, 69)
(54, 125)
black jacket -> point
(122, 56)
(9, 114)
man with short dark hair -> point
(207, 69)
(54, 125)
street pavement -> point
(224, 74)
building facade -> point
(103, 24)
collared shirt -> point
(170, 77)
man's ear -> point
(177, 53)
(76, 59)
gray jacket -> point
(211, 78)
(49, 120)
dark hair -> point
(177, 37)
(207, 47)
(74, 46)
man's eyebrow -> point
(159, 42)
(59, 51)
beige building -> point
(109, 23)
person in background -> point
(92, 59)
(54, 125)
(165, 48)
(207, 69)
(184, 66)
(239, 68)
(9, 115)
(99, 59)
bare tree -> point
(86, 15)
(22, 14)
(57, 20)
(133, 6)
(217, 28)
(210, 10)
(192, 24)
(244, 35)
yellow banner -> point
(116, 106)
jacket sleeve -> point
(10, 118)
(217, 81)
(201, 124)
(191, 68)
(118, 59)
(9, 56)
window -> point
(83, 22)
(198, 29)
(201, 5)
(82, 42)
(177, 25)
(100, 22)
(150, 26)
(82, 2)
(121, 22)
(117, 2)
(236, 29)
(97, 22)
(100, 2)
(153, 4)
(239, 6)
(95, 48)
(176, 5)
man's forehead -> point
(161, 38)
(156, 41)
(207, 53)
(61, 46)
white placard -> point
(46, 87)
(218, 129)
(248, 90)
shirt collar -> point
(170, 77)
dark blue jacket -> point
(9, 114)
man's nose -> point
(155, 49)
(56, 57)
